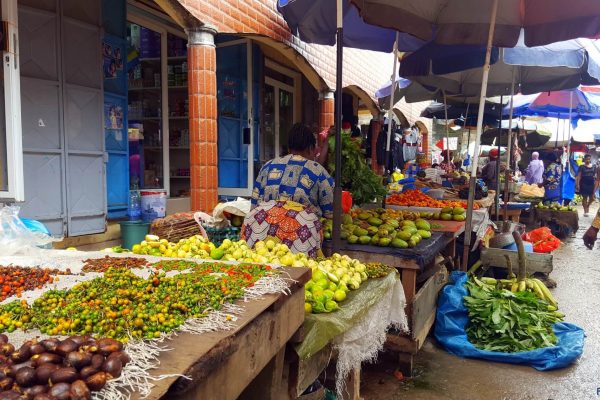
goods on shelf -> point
(71, 368)
(416, 198)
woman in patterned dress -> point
(290, 196)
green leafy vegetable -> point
(503, 321)
(365, 185)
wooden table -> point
(245, 362)
(420, 305)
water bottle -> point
(134, 210)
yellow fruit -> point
(339, 295)
(424, 234)
(459, 217)
(136, 248)
(216, 254)
(458, 210)
(307, 308)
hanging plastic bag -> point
(452, 318)
(542, 239)
(346, 202)
(15, 237)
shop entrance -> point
(279, 110)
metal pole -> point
(469, 128)
(472, 180)
(509, 146)
(337, 191)
(447, 129)
(391, 108)
(497, 188)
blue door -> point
(237, 127)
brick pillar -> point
(202, 92)
(326, 110)
(375, 134)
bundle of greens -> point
(363, 183)
(508, 322)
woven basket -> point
(176, 227)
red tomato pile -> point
(416, 198)
(14, 280)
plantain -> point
(549, 298)
(488, 281)
(538, 291)
(522, 286)
(514, 287)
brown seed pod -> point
(22, 354)
(80, 339)
(6, 383)
(78, 359)
(47, 358)
(36, 389)
(97, 381)
(113, 366)
(16, 367)
(66, 374)
(97, 361)
(42, 396)
(7, 349)
(87, 371)
(37, 348)
(43, 372)
(9, 395)
(107, 346)
(80, 391)
(25, 377)
(50, 344)
(121, 355)
(60, 391)
(65, 347)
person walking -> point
(587, 183)
(535, 170)
(590, 236)
(552, 179)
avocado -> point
(424, 234)
(364, 239)
(352, 239)
(399, 243)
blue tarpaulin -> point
(450, 330)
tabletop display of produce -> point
(416, 198)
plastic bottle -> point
(134, 211)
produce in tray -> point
(196, 246)
(121, 304)
(378, 270)
(54, 369)
(365, 185)
(555, 207)
(14, 280)
(504, 321)
(416, 198)
(331, 280)
(382, 227)
(103, 264)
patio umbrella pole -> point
(570, 124)
(497, 188)
(509, 147)
(468, 129)
(391, 107)
(447, 129)
(337, 191)
(473, 179)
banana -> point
(488, 281)
(522, 286)
(546, 292)
(538, 291)
(529, 283)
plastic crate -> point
(217, 235)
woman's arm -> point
(577, 179)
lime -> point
(331, 305)
(322, 283)
(339, 295)
(328, 294)
(318, 275)
(216, 254)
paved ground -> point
(443, 376)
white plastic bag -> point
(239, 207)
(15, 238)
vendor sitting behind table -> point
(290, 195)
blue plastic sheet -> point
(452, 318)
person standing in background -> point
(535, 170)
(551, 179)
(587, 183)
